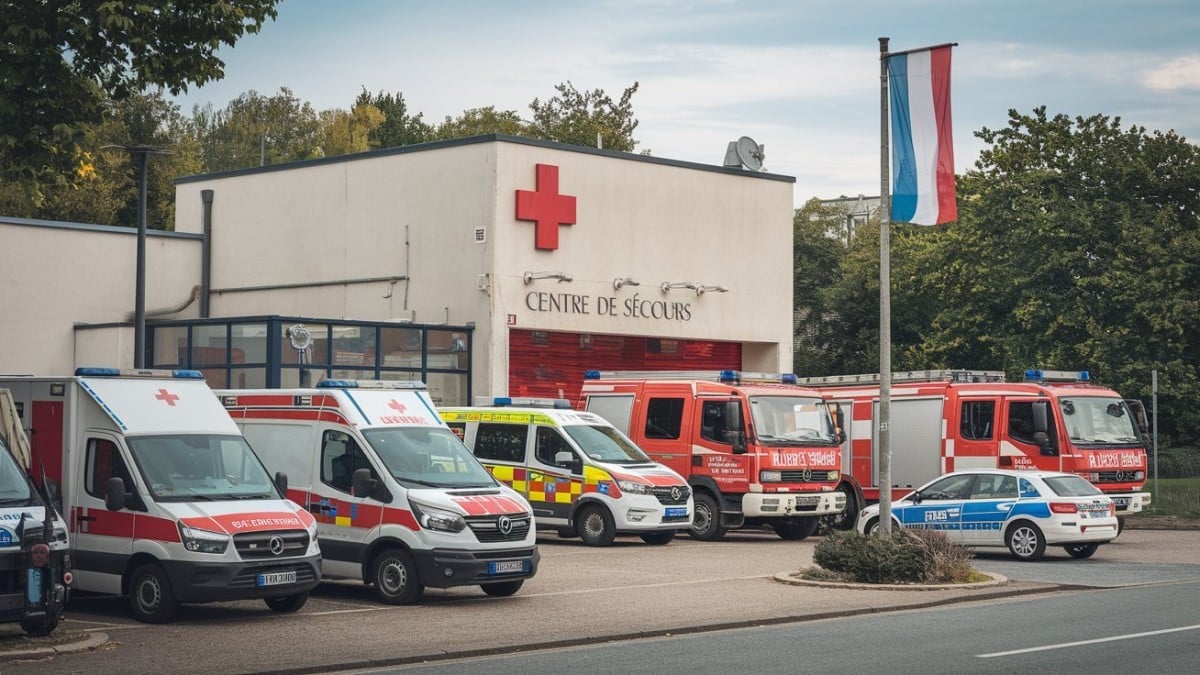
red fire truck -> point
(756, 449)
(949, 420)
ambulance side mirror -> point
(361, 483)
(115, 496)
(281, 483)
(568, 460)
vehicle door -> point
(344, 520)
(102, 540)
(730, 470)
(976, 444)
(940, 506)
(662, 433)
(554, 484)
(987, 509)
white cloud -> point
(1180, 73)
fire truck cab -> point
(756, 449)
(949, 420)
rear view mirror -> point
(115, 496)
(281, 483)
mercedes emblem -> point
(276, 544)
(806, 475)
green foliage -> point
(585, 117)
(482, 121)
(1183, 462)
(61, 59)
(398, 127)
(255, 129)
(1178, 497)
(901, 557)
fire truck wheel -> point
(150, 596)
(795, 529)
(40, 627)
(1025, 541)
(1081, 550)
(288, 603)
(659, 538)
(845, 520)
(502, 589)
(706, 521)
(595, 526)
(395, 577)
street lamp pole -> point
(141, 156)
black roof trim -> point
(91, 227)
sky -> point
(800, 77)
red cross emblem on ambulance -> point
(397, 406)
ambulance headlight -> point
(203, 541)
(60, 535)
(437, 519)
(770, 476)
(633, 488)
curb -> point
(791, 579)
(91, 642)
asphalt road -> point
(581, 596)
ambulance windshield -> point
(428, 456)
(186, 467)
(791, 420)
(14, 489)
(605, 444)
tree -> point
(255, 129)
(816, 262)
(480, 121)
(398, 127)
(342, 132)
(586, 118)
(60, 59)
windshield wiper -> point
(418, 481)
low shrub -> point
(902, 557)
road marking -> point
(1064, 645)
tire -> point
(288, 603)
(659, 538)
(1120, 525)
(1025, 541)
(502, 589)
(706, 521)
(40, 628)
(846, 519)
(394, 575)
(1081, 551)
(150, 596)
(795, 529)
(595, 525)
(872, 527)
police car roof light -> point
(408, 385)
(181, 374)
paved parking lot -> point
(581, 594)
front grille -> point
(248, 578)
(258, 545)
(663, 494)
(487, 528)
(820, 476)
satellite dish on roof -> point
(744, 152)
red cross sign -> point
(397, 406)
(546, 207)
(164, 395)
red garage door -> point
(551, 365)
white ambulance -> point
(400, 503)
(165, 501)
(582, 476)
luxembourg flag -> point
(922, 143)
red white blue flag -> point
(922, 142)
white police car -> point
(1023, 510)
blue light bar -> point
(729, 376)
(789, 378)
(1033, 375)
(502, 400)
(181, 374)
(97, 372)
(337, 384)
(591, 375)
(1085, 376)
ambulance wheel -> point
(150, 596)
(1081, 550)
(41, 627)
(795, 529)
(288, 603)
(595, 526)
(706, 521)
(502, 589)
(1025, 541)
(395, 577)
(658, 538)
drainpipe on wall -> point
(206, 196)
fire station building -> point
(484, 266)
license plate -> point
(1122, 501)
(276, 578)
(676, 512)
(808, 501)
(506, 567)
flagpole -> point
(885, 303)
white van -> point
(582, 476)
(165, 501)
(400, 503)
